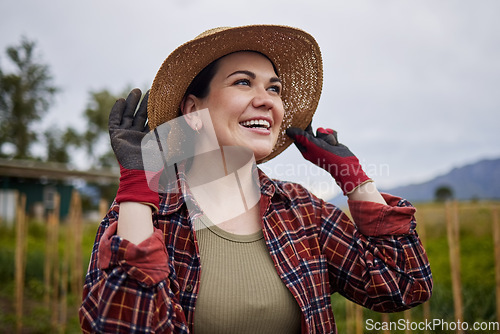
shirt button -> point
(189, 288)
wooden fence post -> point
(76, 230)
(359, 319)
(386, 319)
(20, 258)
(66, 264)
(354, 318)
(103, 208)
(72, 271)
(453, 231)
(407, 316)
(350, 317)
(51, 267)
(47, 267)
(496, 243)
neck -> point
(224, 184)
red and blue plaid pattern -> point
(376, 260)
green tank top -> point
(240, 290)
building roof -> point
(54, 171)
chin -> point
(263, 150)
(260, 149)
(261, 154)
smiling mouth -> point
(257, 123)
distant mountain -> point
(480, 180)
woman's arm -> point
(367, 192)
(127, 287)
(135, 222)
(376, 259)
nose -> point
(262, 100)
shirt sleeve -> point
(376, 259)
(127, 286)
(375, 219)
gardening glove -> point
(132, 142)
(326, 152)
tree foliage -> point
(97, 115)
(58, 143)
(443, 193)
(25, 96)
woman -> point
(171, 262)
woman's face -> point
(244, 103)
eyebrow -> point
(253, 76)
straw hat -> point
(294, 53)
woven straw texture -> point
(295, 54)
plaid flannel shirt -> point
(376, 260)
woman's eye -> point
(275, 89)
(243, 82)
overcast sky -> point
(412, 87)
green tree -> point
(58, 143)
(97, 115)
(25, 96)
(443, 193)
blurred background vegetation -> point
(27, 91)
(477, 263)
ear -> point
(189, 109)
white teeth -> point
(259, 122)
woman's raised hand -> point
(325, 151)
(127, 129)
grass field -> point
(476, 260)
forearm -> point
(367, 192)
(135, 222)
(122, 275)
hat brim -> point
(294, 53)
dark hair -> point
(200, 86)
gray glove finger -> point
(116, 115)
(335, 136)
(327, 137)
(309, 129)
(131, 104)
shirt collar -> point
(177, 191)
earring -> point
(196, 129)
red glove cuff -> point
(136, 186)
(348, 174)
